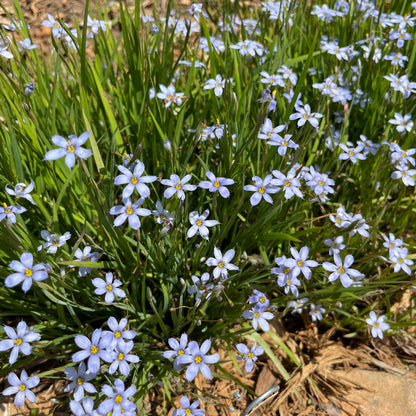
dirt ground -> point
(378, 379)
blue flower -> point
(121, 358)
(262, 189)
(84, 407)
(259, 317)
(109, 286)
(249, 354)
(188, 409)
(18, 340)
(118, 402)
(131, 212)
(26, 272)
(179, 350)
(8, 211)
(178, 186)
(69, 148)
(80, 381)
(134, 180)
(94, 350)
(22, 387)
(198, 360)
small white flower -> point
(221, 263)
(217, 84)
(377, 325)
(21, 190)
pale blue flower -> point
(179, 351)
(131, 212)
(352, 153)
(217, 184)
(217, 84)
(109, 286)
(177, 186)
(341, 269)
(80, 381)
(134, 180)
(85, 407)
(259, 317)
(377, 325)
(198, 359)
(53, 241)
(259, 298)
(69, 148)
(222, 263)
(118, 402)
(19, 340)
(249, 355)
(94, 350)
(22, 387)
(262, 189)
(200, 224)
(9, 211)
(85, 256)
(21, 190)
(122, 358)
(299, 263)
(188, 409)
(118, 334)
(26, 272)
(316, 312)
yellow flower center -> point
(22, 387)
(300, 263)
(261, 190)
(117, 334)
(199, 223)
(56, 25)
(400, 261)
(217, 184)
(120, 357)
(287, 183)
(134, 180)
(28, 272)
(109, 288)
(256, 314)
(341, 270)
(262, 300)
(162, 217)
(70, 147)
(285, 143)
(351, 153)
(221, 265)
(80, 381)
(198, 359)
(178, 186)
(306, 116)
(321, 183)
(94, 349)
(289, 282)
(375, 325)
(188, 411)
(286, 271)
(338, 220)
(181, 352)
(250, 355)
(201, 287)
(118, 399)
(55, 241)
(129, 210)
(18, 341)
